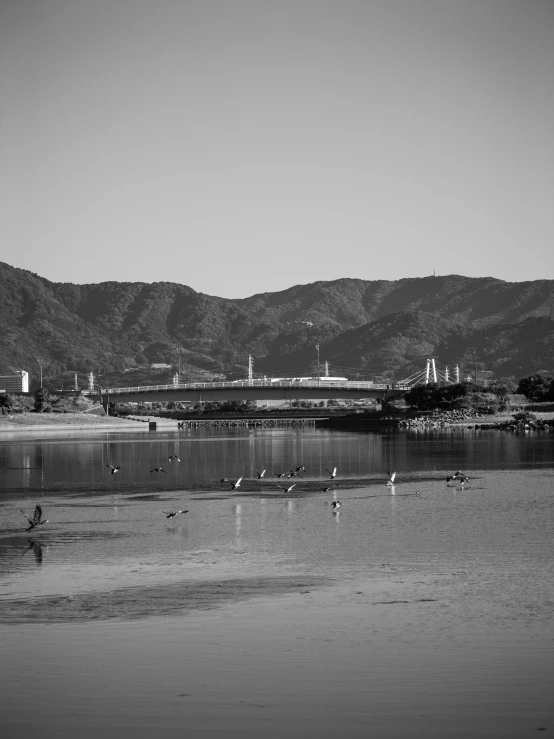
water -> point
(264, 613)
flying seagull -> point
(36, 520)
(287, 490)
(336, 504)
(333, 473)
(236, 484)
(159, 469)
(172, 457)
(391, 475)
(172, 514)
(113, 469)
(260, 474)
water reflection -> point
(80, 463)
(37, 548)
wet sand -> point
(143, 602)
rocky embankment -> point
(470, 420)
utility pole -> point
(318, 364)
(178, 350)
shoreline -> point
(29, 423)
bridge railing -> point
(351, 385)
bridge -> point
(251, 390)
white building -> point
(16, 383)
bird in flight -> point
(172, 457)
(36, 520)
(260, 474)
(333, 473)
(113, 469)
(300, 469)
(236, 484)
(336, 504)
(159, 469)
(281, 474)
(391, 475)
(287, 490)
(172, 514)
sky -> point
(245, 146)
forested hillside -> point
(369, 328)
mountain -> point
(366, 327)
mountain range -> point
(364, 328)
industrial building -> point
(16, 383)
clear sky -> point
(244, 146)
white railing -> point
(350, 385)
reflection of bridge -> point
(250, 390)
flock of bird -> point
(457, 478)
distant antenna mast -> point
(91, 382)
(434, 273)
(250, 368)
(326, 368)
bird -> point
(236, 484)
(287, 490)
(300, 469)
(172, 457)
(336, 504)
(36, 520)
(280, 474)
(113, 469)
(172, 514)
(224, 479)
(391, 475)
(159, 469)
(260, 474)
(333, 473)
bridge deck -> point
(250, 390)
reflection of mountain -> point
(370, 326)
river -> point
(415, 610)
